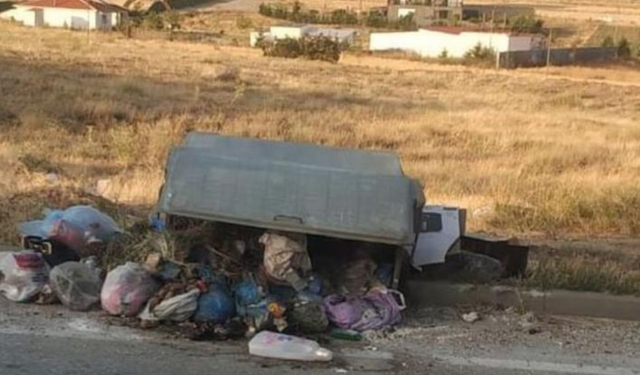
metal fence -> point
(556, 56)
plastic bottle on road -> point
(276, 345)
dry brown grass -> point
(525, 151)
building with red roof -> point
(72, 14)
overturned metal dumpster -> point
(305, 188)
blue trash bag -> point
(75, 227)
(215, 306)
(247, 293)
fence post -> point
(549, 48)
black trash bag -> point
(307, 316)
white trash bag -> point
(77, 285)
(23, 275)
(176, 309)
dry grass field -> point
(556, 153)
(536, 153)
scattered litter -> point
(286, 258)
(176, 309)
(232, 329)
(377, 309)
(471, 317)
(126, 289)
(280, 346)
(52, 178)
(215, 306)
(308, 317)
(46, 296)
(77, 285)
(23, 275)
(341, 371)
(346, 334)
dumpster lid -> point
(361, 195)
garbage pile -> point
(212, 281)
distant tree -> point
(479, 52)
(444, 54)
(624, 49)
(406, 22)
(527, 24)
(172, 20)
(608, 42)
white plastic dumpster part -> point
(440, 232)
(279, 346)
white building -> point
(73, 14)
(298, 31)
(452, 41)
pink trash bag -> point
(127, 289)
(378, 309)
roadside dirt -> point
(510, 335)
(425, 333)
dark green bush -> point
(296, 13)
(479, 52)
(527, 24)
(624, 49)
(310, 47)
(608, 42)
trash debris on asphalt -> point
(379, 308)
(286, 258)
(177, 308)
(80, 228)
(77, 285)
(215, 281)
(127, 289)
(280, 346)
(471, 317)
(23, 275)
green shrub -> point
(376, 19)
(310, 47)
(406, 23)
(479, 52)
(608, 42)
(153, 21)
(527, 24)
(624, 49)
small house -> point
(298, 31)
(453, 41)
(72, 14)
(425, 12)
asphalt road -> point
(38, 340)
(25, 354)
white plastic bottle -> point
(276, 345)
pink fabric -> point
(376, 310)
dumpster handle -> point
(288, 218)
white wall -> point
(20, 14)
(403, 12)
(255, 35)
(282, 32)
(522, 43)
(61, 17)
(429, 43)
